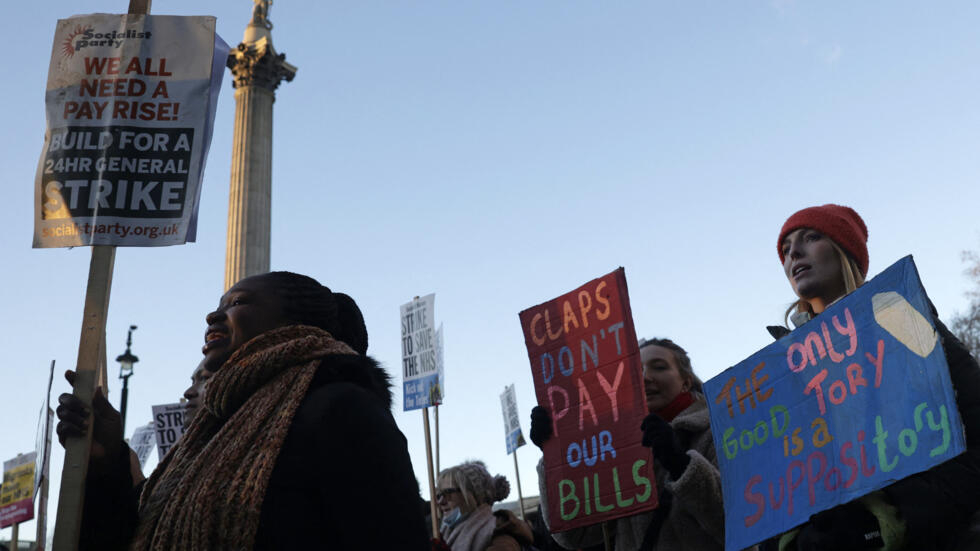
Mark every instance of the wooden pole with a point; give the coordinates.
(432, 480)
(13, 536)
(438, 470)
(71, 498)
(520, 495)
(607, 536)
(137, 7)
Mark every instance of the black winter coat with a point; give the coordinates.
(343, 479)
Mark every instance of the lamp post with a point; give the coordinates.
(126, 361)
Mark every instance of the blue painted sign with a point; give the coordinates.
(850, 402)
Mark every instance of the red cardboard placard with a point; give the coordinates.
(587, 372)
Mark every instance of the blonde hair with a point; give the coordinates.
(852, 280)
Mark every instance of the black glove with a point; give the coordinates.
(660, 436)
(540, 426)
(848, 526)
(107, 433)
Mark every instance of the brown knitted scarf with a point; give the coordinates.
(207, 492)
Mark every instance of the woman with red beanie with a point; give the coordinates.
(824, 254)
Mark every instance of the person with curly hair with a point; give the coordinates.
(465, 495)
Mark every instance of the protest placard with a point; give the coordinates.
(130, 107)
(512, 423)
(17, 494)
(143, 440)
(586, 367)
(420, 373)
(42, 442)
(168, 424)
(848, 403)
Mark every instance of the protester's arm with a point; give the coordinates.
(111, 501)
(697, 491)
(111, 507)
(693, 479)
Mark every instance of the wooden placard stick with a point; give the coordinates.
(437, 438)
(520, 495)
(432, 480)
(87, 370)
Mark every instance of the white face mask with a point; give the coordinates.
(451, 518)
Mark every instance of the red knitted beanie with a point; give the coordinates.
(842, 224)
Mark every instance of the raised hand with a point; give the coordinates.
(661, 438)
(74, 418)
(541, 430)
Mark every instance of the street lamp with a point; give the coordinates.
(126, 361)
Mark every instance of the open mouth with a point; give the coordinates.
(213, 339)
(800, 269)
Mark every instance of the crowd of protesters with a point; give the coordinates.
(292, 399)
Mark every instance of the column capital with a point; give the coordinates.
(258, 64)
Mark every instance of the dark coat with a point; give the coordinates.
(343, 478)
(936, 505)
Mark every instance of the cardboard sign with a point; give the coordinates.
(168, 423)
(130, 109)
(512, 423)
(42, 442)
(848, 403)
(143, 440)
(420, 372)
(586, 367)
(17, 495)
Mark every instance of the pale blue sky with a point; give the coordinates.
(501, 153)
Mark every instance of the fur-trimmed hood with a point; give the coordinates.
(363, 371)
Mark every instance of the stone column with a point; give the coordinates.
(257, 71)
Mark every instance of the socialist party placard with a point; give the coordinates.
(130, 104)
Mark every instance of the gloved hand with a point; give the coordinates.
(848, 526)
(540, 426)
(660, 436)
(74, 418)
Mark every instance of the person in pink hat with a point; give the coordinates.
(824, 253)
